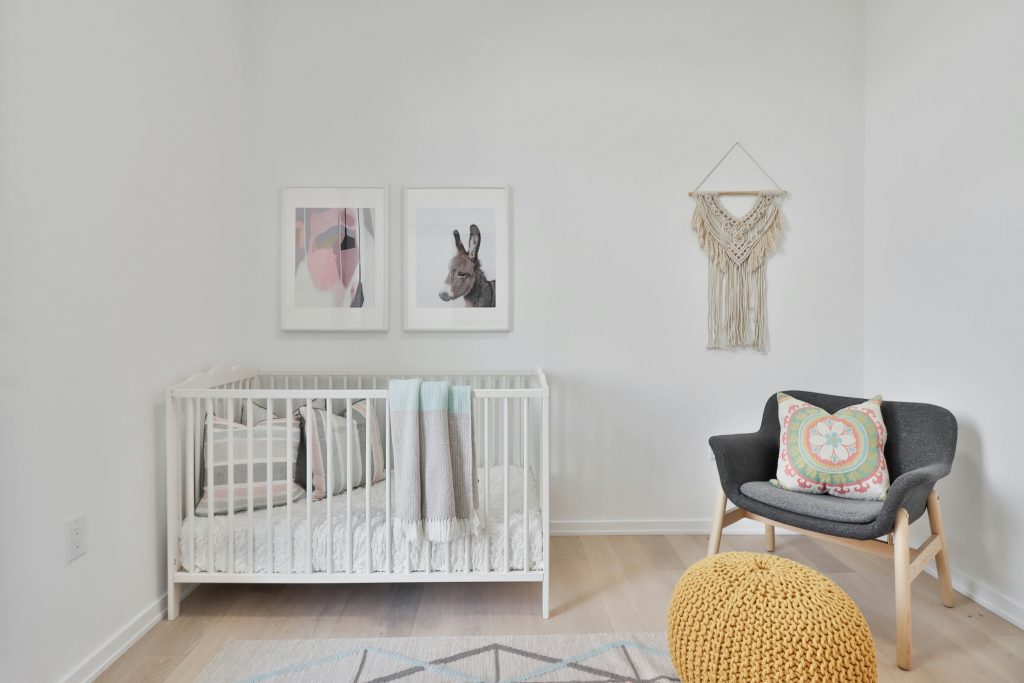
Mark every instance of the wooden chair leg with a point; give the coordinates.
(769, 537)
(715, 541)
(942, 557)
(901, 557)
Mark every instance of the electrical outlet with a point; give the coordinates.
(74, 539)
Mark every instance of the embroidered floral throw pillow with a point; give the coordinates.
(841, 455)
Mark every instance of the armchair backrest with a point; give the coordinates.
(919, 433)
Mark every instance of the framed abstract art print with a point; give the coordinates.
(334, 256)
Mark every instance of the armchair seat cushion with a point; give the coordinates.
(829, 508)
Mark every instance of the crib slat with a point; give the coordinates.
(252, 532)
(348, 485)
(309, 484)
(330, 484)
(368, 479)
(387, 483)
(269, 535)
(505, 439)
(545, 435)
(525, 416)
(406, 541)
(211, 560)
(474, 404)
(190, 477)
(290, 477)
(514, 446)
(231, 484)
(487, 482)
(447, 557)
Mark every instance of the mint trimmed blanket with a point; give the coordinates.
(435, 466)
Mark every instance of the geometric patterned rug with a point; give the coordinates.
(576, 658)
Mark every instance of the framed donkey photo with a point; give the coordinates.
(458, 256)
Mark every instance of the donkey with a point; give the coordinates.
(465, 276)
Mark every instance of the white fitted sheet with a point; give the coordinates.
(402, 552)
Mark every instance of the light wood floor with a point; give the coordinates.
(600, 584)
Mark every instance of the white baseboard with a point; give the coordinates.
(90, 668)
(987, 597)
(604, 527)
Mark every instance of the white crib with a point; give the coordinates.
(288, 543)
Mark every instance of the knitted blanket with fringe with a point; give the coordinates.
(737, 248)
(435, 466)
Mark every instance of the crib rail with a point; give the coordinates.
(219, 410)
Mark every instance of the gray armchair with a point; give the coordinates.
(919, 452)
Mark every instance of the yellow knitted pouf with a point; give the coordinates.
(739, 617)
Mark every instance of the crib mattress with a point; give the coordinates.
(404, 554)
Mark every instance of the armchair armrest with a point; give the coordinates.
(910, 490)
(921, 477)
(742, 458)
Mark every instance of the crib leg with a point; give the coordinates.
(545, 597)
(173, 600)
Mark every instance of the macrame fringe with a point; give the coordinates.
(737, 316)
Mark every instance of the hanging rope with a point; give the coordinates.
(749, 156)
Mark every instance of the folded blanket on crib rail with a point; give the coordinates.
(435, 467)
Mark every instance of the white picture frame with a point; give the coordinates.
(482, 218)
(329, 281)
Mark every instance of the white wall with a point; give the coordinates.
(600, 116)
(119, 211)
(943, 246)
(144, 148)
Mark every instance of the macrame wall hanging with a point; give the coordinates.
(737, 247)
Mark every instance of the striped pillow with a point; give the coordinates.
(323, 425)
(224, 488)
(259, 414)
(370, 429)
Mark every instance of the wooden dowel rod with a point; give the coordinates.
(733, 193)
